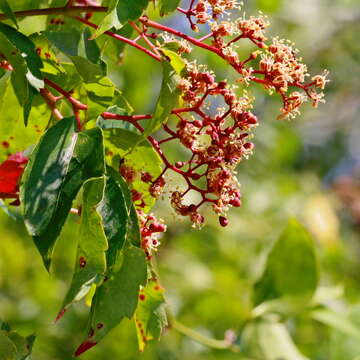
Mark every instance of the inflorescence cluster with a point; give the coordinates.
(215, 121)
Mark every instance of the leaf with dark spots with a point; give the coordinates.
(90, 263)
(117, 297)
(150, 316)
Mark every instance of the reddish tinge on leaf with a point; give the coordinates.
(10, 173)
(86, 345)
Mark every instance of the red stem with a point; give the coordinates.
(75, 104)
(121, 38)
(192, 40)
(66, 10)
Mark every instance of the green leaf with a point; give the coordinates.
(117, 297)
(130, 10)
(168, 6)
(112, 48)
(291, 269)
(169, 93)
(150, 317)
(97, 96)
(14, 346)
(110, 20)
(269, 340)
(90, 262)
(28, 51)
(28, 104)
(6, 9)
(133, 235)
(138, 154)
(18, 76)
(114, 213)
(45, 174)
(8, 349)
(12, 129)
(26, 77)
(57, 168)
(84, 53)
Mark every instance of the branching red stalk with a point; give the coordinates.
(51, 100)
(169, 30)
(76, 105)
(145, 38)
(121, 38)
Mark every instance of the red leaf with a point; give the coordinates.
(10, 173)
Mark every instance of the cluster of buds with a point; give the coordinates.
(278, 70)
(217, 140)
(208, 10)
(150, 229)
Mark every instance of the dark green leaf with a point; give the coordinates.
(90, 262)
(84, 53)
(45, 174)
(28, 51)
(114, 213)
(58, 166)
(18, 76)
(28, 104)
(291, 268)
(6, 9)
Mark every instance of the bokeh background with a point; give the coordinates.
(308, 168)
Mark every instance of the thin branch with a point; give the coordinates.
(201, 339)
(65, 10)
(121, 38)
(192, 40)
(51, 100)
(144, 37)
(75, 104)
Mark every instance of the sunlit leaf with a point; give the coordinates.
(150, 317)
(58, 166)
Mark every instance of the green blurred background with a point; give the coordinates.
(309, 168)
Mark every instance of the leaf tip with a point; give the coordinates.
(86, 345)
(60, 315)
